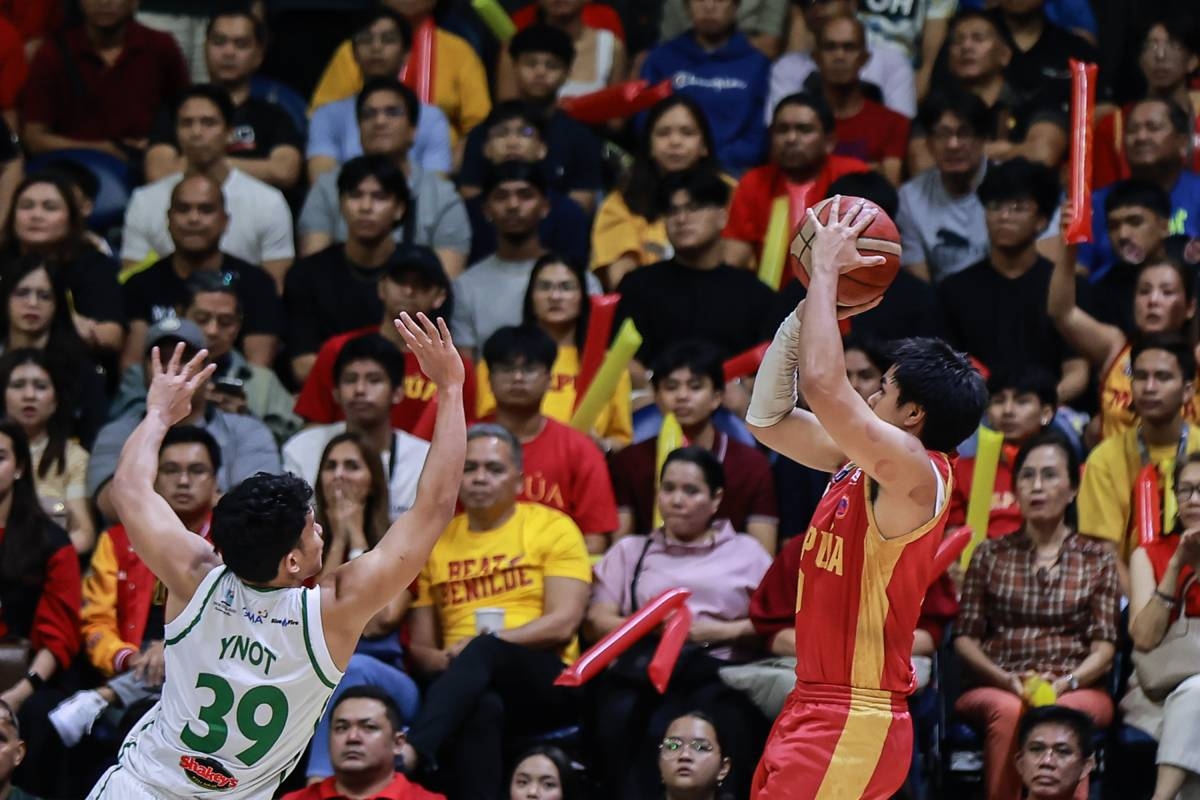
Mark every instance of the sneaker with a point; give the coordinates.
(73, 718)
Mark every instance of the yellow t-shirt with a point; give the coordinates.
(617, 231)
(460, 85)
(1105, 501)
(615, 420)
(1116, 397)
(501, 568)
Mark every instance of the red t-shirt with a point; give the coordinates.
(1005, 514)
(565, 470)
(413, 414)
(1108, 159)
(399, 789)
(13, 67)
(751, 207)
(749, 484)
(873, 134)
(55, 624)
(33, 18)
(594, 15)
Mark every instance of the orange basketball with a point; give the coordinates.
(881, 238)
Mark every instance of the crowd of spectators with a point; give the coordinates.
(275, 181)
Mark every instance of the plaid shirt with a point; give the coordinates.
(1040, 619)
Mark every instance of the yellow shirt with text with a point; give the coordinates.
(502, 568)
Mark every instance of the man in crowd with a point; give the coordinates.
(264, 142)
(388, 113)
(12, 753)
(689, 382)
(368, 379)
(563, 468)
(196, 222)
(1055, 752)
(801, 167)
(260, 222)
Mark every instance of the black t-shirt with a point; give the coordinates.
(1002, 321)
(670, 302)
(908, 308)
(91, 278)
(259, 126)
(1110, 299)
(573, 161)
(1044, 69)
(158, 292)
(326, 294)
(9, 148)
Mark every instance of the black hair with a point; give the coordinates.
(1027, 379)
(640, 189)
(705, 187)
(258, 522)
(1080, 723)
(58, 426)
(513, 342)
(696, 356)
(1019, 178)
(809, 100)
(64, 338)
(1140, 193)
(1181, 122)
(702, 457)
(79, 175)
(238, 8)
(944, 383)
(412, 105)
(1173, 343)
(210, 92)
(366, 691)
(877, 351)
(1180, 27)
(210, 282)
(28, 542)
(366, 19)
(391, 178)
(190, 434)
(585, 307)
(543, 38)
(523, 171)
(74, 242)
(1187, 277)
(870, 185)
(980, 14)
(966, 106)
(1049, 438)
(722, 743)
(371, 347)
(568, 781)
(517, 109)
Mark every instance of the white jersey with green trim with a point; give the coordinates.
(248, 677)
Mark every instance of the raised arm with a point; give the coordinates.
(359, 589)
(177, 556)
(1099, 343)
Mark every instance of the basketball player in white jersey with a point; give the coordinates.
(251, 655)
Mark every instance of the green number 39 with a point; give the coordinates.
(264, 735)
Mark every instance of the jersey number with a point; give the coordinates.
(264, 735)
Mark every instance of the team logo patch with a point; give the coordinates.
(207, 773)
(225, 604)
(842, 507)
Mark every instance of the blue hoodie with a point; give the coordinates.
(729, 83)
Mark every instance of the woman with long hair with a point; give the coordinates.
(556, 301)
(629, 231)
(45, 221)
(38, 396)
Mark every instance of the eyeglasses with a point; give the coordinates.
(1186, 491)
(1162, 47)
(387, 112)
(523, 131)
(1010, 206)
(670, 746)
(366, 39)
(512, 370)
(194, 471)
(1061, 752)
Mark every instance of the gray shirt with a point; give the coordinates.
(247, 447)
(441, 220)
(753, 17)
(490, 295)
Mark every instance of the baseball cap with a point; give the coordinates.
(182, 330)
(419, 259)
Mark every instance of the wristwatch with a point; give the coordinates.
(1072, 682)
(36, 681)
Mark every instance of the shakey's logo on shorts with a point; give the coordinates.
(207, 773)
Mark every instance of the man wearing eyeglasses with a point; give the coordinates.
(1055, 752)
(123, 602)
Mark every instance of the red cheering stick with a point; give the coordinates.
(616, 102)
(1148, 500)
(605, 651)
(746, 363)
(675, 634)
(1083, 102)
(419, 71)
(949, 551)
(595, 344)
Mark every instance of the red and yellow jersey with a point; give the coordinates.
(859, 594)
(1116, 397)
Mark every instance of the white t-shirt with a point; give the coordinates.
(260, 222)
(402, 464)
(903, 21)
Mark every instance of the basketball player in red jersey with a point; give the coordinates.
(845, 731)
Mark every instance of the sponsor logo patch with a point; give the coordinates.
(207, 773)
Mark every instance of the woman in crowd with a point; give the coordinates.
(721, 568)
(40, 596)
(351, 499)
(691, 760)
(544, 773)
(629, 231)
(1163, 585)
(557, 302)
(600, 58)
(45, 221)
(38, 398)
(35, 313)
(1039, 603)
